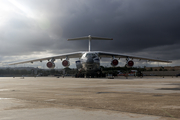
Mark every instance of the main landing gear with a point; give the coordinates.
(98, 74)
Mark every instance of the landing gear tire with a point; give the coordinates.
(87, 75)
(79, 75)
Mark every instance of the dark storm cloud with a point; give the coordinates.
(134, 25)
(139, 27)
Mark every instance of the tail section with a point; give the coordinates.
(90, 38)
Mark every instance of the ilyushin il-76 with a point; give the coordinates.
(88, 62)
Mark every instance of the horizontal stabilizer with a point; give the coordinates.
(91, 38)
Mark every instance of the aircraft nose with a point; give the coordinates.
(90, 61)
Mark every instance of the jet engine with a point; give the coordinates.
(50, 65)
(65, 63)
(130, 63)
(114, 62)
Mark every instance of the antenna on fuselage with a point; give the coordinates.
(90, 38)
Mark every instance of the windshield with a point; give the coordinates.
(91, 55)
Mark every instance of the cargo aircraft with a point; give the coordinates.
(89, 61)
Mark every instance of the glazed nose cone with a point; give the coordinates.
(90, 60)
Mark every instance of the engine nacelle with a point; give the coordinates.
(78, 64)
(130, 63)
(65, 63)
(50, 65)
(114, 62)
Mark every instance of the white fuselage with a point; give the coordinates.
(90, 62)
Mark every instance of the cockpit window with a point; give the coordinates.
(91, 55)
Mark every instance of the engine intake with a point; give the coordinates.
(50, 65)
(130, 63)
(114, 62)
(65, 63)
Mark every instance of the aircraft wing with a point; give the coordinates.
(116, 55)
(61, 56)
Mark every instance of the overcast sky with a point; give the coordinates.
(31, 29)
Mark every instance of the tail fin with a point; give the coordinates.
(90, 38)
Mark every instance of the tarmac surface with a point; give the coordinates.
(51, 98)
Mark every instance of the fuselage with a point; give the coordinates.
(89, 62)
